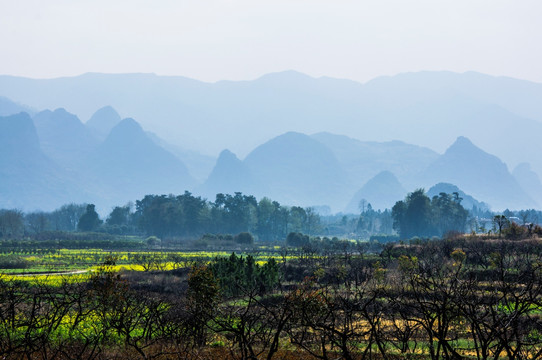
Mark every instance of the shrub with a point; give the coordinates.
(515, 232)
(244, 238)
(13, 262)
(297, 239)
(384, 238)
(153, 241)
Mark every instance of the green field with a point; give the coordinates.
(29, 264)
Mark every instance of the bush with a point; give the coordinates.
(384, 238)
(153, 241)
(244, 238)
(13, 262)
(297, 239)
(215, 240)
(515, 232)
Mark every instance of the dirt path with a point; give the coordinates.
(74, 272)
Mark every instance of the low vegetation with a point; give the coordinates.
(185, 293)
(461, 297)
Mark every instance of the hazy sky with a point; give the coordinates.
(217, 39)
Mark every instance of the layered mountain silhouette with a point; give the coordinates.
(54, 159)
(28, 178)
(229, 175)
(8, 107)
(362, 160)
(501, 115)
(128, 165)
(382, 192)
(199, 165)
(298, 169)
(102, 121)
(63, 137)
(111, 161)
(292, 168)
(480, 174)
(529, 181)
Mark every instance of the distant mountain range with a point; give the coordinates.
(478, 173)
(228, 176)
(102, 121)
(362, 160)
(529, 180)
(382, 192)
(63, 137)
(431, 109)
(128, 164)
(53, 158)
(28, 178)
(8, 107)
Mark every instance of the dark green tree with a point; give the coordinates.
(448, 213)
(120, 215)
(245, 238)
(159, 215)
(412, 217)
(67, 217)
(312, 225)
(272, 220)
(417, 215)
(240, 212)
(298, 219)
(500, 222)
(265, 224)
(90, 220)
(37, 222)
(202, 298)
(193, 211)
(11, 224)
(297, 239)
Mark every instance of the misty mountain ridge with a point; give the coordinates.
(130, 165)
(228, 176)
(478, 173)
(8, 107)
(102, 121)
(285, 168)
(63, 137)
(198, 165)
(122, 168)
(28, 178)
(18, 136)
(294, 168)
(491, 111)
(529, 180)
(297, 169)
(382, 192)
(362, 160)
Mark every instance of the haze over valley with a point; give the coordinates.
(285, 179)
(109, 139)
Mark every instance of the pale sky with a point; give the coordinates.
(214, 40)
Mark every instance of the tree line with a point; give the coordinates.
(190, 216)
(418, 215)
(183, 215)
